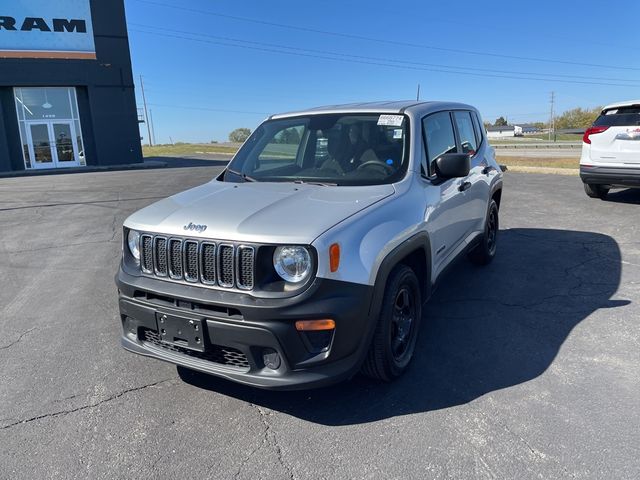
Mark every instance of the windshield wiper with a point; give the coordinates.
(311, 182)
(244, 176)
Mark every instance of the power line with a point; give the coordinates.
(372, 39)
(382, 59)
(355, 59)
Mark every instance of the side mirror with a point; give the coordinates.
(452, 165)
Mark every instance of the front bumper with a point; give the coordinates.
(615, 176)
(240, 329)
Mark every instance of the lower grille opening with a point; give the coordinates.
(229, 356)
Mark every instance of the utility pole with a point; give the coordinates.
(552, 122)
(153, 128)
(146, 115)
(418, 94)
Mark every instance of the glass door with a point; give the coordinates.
(65, 149)
(53, 144)
(40, 145)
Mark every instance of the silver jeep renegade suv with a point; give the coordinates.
(310, 257)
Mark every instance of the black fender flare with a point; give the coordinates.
(497, 185)
(418, 241)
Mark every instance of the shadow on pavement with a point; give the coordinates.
(186, 162)
(628, 195)
(485, 329)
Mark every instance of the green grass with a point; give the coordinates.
(560, 137)
(535, 138)
(179, 149)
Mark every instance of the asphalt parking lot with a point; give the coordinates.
(528, 368)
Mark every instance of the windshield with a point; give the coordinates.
(332, 149)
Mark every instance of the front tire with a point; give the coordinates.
(596, 191)
(484, 252)
(394, 340)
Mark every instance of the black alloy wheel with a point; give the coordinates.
(402, 322)
(394, 339)
(483, 253)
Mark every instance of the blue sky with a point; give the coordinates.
(212, 66)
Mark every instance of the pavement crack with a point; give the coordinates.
(17, 339)
(114, 228)
(58, 247)
(93, 203)
(83, 407)
(269, 438)
(534, 451)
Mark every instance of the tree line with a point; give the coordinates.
(574, 118)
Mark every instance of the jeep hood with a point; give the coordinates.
(257, 211)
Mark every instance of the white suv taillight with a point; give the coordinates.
(592, 131)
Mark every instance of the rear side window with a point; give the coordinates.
(476, 127)
(619, 117)
(438, 135)
(466, 132)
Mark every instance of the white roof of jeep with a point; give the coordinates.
(378, 107)
(628, 103)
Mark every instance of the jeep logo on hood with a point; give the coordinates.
(195, 228)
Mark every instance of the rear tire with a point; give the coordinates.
(596, 191)
(484, 252)
(394, 340)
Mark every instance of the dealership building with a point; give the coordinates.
(66, 87)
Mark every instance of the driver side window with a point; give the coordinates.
(438, 137)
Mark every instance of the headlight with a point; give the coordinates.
(133, 239)
(293, 264)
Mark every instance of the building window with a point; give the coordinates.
(50, 130)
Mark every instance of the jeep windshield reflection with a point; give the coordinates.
(330, 149)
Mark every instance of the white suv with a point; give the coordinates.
(310, 257)
(611, 150)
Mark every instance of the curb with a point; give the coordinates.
(93, 169)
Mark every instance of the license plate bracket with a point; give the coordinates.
(181, 331)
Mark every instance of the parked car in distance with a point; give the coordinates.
(611, 150)
(309, 258)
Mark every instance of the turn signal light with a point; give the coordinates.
(334, 257)
(592, 131)
(315, 325)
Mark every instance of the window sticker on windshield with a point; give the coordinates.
(390, 120)
(611, 112)
(397, 133)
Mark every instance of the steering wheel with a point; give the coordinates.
(376, 163)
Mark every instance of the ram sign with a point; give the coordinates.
(46, 29)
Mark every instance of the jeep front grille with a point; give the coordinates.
(146, 253)
(160, 255)
(224, 265)
(245, 268)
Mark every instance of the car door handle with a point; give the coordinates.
(464, 186)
